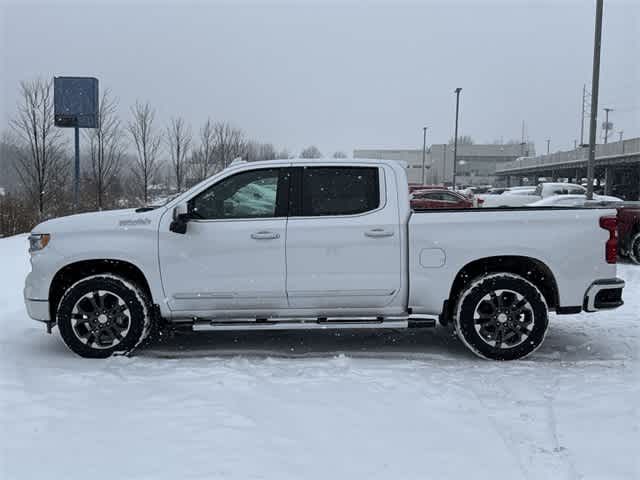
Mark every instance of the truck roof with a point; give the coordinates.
(320, 161)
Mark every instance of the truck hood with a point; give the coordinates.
(100, 221)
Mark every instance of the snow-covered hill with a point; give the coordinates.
(394, 405)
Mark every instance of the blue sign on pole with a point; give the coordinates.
(75, 102)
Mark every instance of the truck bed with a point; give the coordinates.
(568, 241)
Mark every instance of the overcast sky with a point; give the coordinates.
(340, 75)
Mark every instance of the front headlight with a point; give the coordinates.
(37, 241)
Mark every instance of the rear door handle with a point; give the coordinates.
(265, 235)
(378, 233)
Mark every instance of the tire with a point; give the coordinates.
(102, 315)
(634, 248)
(501, 316)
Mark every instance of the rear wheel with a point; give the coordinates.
(634, 248)
(501, 316)
(102, 315)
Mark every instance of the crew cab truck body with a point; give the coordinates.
(318, 244)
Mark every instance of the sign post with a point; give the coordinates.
(76, 105)
(76, 169)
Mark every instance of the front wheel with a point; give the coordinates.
(634, 249)
(103, 314)
(501, 316)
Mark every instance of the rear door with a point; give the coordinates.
(343, 238)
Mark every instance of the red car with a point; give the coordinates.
(629, 232)
(418, 186)
(439, 198)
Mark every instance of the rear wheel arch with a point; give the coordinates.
(531, 269)
(73, 272)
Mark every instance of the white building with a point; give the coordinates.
(476, 163)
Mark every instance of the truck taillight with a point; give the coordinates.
(610, 223)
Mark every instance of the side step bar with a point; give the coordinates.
(313, 324)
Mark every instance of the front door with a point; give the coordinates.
(232, 256)
(343, 239)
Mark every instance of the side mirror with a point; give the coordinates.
(180, 219)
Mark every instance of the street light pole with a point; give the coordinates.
(584, 95)
(455, 138)
(548, 145)
(424, 151)
(595, 82)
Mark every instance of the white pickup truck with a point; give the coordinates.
(318, 244)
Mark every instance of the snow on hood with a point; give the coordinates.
(104, 220)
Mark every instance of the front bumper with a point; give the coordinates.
(38, 309)
(604, 294)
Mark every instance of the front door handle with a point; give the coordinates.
(378, 233)
(265, 235)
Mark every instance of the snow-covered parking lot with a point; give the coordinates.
(396, 405)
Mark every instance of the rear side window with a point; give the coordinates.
(339, 190)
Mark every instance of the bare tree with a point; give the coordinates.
(339, 155)
(179, 142)
(255, 151)
(147, 142)
(106, 148)
(230, 143)
(9, 151)
(311, 152)
(41, 159)
(203, 158)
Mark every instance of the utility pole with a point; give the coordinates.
(595, 83)
(455, 138)
(522, 141)
(548, 145)
(606, 123)
(584, 107)
(424, 151)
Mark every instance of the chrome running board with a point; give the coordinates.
(300, 324)
(312, 324)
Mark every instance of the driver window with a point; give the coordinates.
(249, 194)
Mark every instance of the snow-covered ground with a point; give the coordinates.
(394, 405)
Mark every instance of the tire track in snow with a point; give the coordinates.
(552, 426)
(496, 428)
